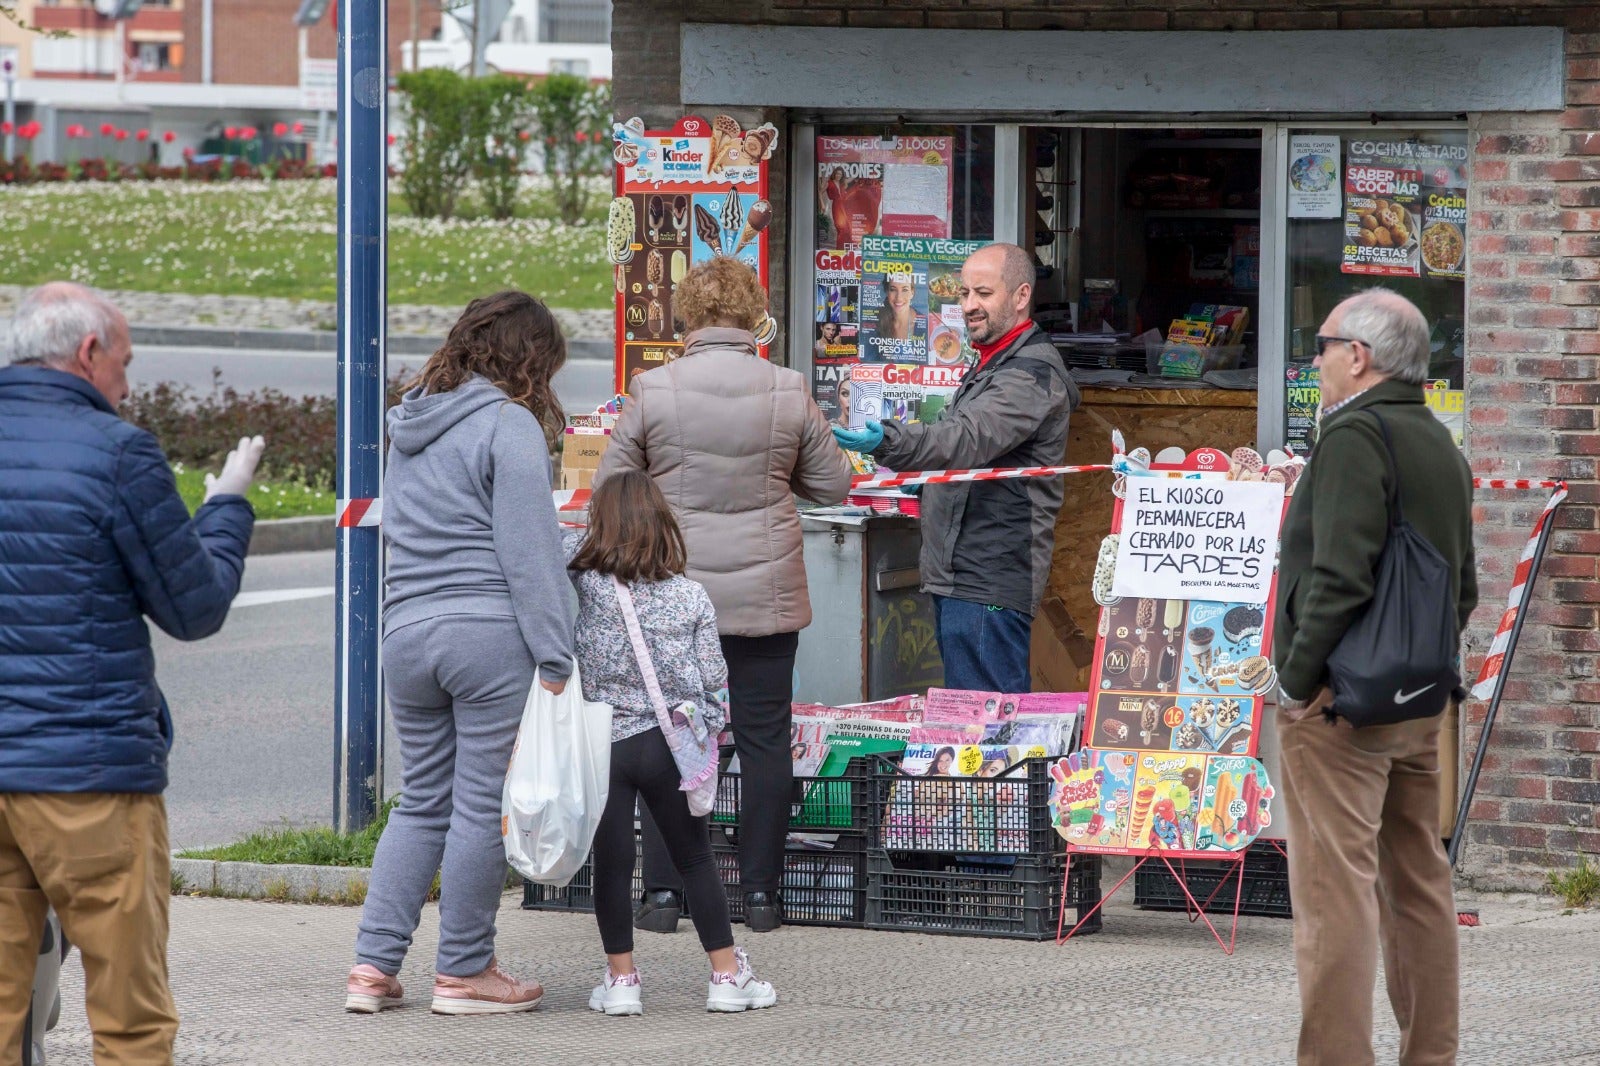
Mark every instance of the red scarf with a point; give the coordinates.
(987, 351)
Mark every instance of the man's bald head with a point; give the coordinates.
(996, 291)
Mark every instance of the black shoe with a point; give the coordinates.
(761, 911)
(658, 913)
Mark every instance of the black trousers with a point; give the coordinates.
(760, 691)
(642, 769)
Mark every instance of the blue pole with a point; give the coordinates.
(363, 211)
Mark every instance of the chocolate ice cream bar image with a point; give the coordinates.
(707, 228)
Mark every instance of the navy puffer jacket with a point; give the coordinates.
(93, 537)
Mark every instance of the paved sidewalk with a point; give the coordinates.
(263, 983)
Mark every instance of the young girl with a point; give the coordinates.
(633, 538)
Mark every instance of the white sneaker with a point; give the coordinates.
(731, 993)
(617, 995)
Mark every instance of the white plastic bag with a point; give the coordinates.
(556, 786)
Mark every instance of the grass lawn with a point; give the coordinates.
(318, 846)
(277, 239)
(270, 499)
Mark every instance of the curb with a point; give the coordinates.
(274, 536)
(300, 340)
(288, 882)
(254, 880)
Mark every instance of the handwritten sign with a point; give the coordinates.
(1198, 540)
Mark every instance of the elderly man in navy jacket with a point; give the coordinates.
(94, 538)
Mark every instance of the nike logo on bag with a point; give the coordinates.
(1401, 697)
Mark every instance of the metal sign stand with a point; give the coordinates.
(1458, 832)
(363, 210)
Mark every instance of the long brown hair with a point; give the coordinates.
(513, 340)
(632, 534)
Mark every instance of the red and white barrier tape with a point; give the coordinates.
(1516, 483)
(1494, 663)
(946, 477)
(361, 512)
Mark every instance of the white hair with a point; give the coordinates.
(51, 322)
(1395, 330)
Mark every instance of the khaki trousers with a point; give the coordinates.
(1366, 866)
(100, 859)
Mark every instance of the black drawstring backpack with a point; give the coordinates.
(1398, 661)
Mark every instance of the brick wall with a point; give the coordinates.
(1533, 381)
(256, 42)
(1533, 377)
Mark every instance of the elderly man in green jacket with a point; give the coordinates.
(1365, 856)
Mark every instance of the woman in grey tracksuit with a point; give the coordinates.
(477, 603)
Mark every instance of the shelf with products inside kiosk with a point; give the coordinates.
(1186, 583)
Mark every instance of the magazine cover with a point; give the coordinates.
(899, 186)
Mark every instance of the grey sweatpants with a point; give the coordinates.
(456, 686)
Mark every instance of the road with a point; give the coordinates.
(253, 707)
(581, 385)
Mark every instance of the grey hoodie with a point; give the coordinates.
(469, 522)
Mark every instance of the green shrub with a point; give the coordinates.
(574, 118)
(435, 156)
(497, 142)
(199, 430)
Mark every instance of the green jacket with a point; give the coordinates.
(1338, 522)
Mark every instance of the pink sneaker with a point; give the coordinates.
(491, 992)
(369, 990)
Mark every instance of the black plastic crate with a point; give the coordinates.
(820, 804)
(1215, 886)
(578, 895)
(819, 886)
(1017, 897)
(1004, 815)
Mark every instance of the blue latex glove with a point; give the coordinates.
(859, 440)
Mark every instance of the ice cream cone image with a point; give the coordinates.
(758, 218)
(725, 134)
(1142, 801)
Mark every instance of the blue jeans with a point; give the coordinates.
(984, 648)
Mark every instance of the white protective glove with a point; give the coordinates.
(238, 470)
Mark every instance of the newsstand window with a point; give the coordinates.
(923, 189)
(1376, 207)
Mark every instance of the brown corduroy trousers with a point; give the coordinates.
(1366, 866)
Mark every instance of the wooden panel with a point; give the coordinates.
(1149, 418)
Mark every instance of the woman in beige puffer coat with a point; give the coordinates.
(731, 439)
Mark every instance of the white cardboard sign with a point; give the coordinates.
(1198, 540)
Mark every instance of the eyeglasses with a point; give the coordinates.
(1323, 342)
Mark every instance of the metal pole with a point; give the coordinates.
(416, 31)
(11, 111)
(1458, 832)
(363, 210)
(478, 43)
(207, 30)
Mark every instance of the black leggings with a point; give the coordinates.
(642, 767)
(760, 688)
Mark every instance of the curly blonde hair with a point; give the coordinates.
(723, 291)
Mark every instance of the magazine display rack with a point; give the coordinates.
(1008, 814)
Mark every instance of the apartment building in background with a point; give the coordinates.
(198, 66)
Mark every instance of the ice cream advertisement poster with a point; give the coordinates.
(683, 196)
(1128, 802)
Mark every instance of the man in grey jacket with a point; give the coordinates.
(986, 545)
